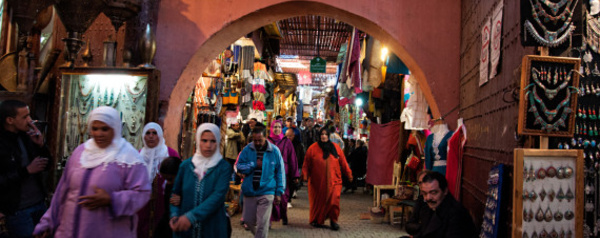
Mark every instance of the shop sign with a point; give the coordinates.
(318, 65)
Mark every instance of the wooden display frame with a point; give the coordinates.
(554, 158)
(570, 64)
(152, 77)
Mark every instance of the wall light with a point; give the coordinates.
(358, 102)
(384, 53)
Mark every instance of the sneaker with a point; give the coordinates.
(294, 195)
(289, 205)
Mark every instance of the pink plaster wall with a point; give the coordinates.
(424, 34)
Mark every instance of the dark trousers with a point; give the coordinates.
(22, 223)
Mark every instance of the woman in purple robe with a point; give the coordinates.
(103, 185)
(292, 174)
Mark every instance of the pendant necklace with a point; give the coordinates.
(550, 114)
(550, 93)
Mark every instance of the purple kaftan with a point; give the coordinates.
(291, 172)
(127, 185)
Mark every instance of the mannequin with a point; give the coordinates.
(436, 148)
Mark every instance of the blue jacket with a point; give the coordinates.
(272, 181)
(203, 203)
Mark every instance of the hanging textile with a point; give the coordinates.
(383, 151)
(456, 144)
(354, 68)
(373, 63)
(415, 115)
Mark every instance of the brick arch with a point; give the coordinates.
(432, 44)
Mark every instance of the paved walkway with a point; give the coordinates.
(352, 205)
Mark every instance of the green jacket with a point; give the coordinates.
(202, 202)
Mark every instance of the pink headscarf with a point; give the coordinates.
(274, 137)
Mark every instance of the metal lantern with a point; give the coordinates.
(77, 16)
(24, 12)
(120, 11)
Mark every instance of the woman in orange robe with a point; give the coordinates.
(323, 166)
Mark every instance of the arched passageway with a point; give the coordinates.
(424, 34)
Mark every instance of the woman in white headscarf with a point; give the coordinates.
(102, 187)
(202, 183)
(154, 152)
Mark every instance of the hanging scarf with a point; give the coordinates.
(327, 147)
(119, 150)
(201, 163)
(276, 138)
(154, 156)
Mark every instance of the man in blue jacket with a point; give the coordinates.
(262, 168)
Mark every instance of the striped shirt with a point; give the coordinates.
(258, 171)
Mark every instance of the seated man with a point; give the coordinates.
(443, 216)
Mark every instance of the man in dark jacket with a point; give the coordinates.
(23, 159)
(442, 216)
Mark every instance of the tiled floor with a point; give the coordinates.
(352, 205)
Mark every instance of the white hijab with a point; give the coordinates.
(119, 150)
(154, 156)
(201, 163)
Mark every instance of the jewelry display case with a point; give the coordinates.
(131, 91)
(548, 95)
(547, 193)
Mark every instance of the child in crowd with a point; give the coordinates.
(168, 170)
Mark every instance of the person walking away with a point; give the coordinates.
(323, 166)
(358, 163)
(261, 165)
(300, 152)
(201, 185)
(23, 162)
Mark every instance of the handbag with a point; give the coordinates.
(413, 161)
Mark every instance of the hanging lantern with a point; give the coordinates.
(77, 16)
(25, 11)
(120, 11)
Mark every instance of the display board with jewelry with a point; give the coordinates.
(550, 23)
(84, 90)
(491, 214)
(549, 87)
(586, 136)
(548, 193)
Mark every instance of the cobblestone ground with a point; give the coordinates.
(352, 205)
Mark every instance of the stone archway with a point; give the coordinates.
(426, 36)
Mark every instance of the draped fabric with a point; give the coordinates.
(384, 151)
(456, 144)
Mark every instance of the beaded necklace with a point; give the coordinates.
(546, 126)
(551, 38)
(550, 114)
(548, 17)
(550, 93)
(554, 6)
